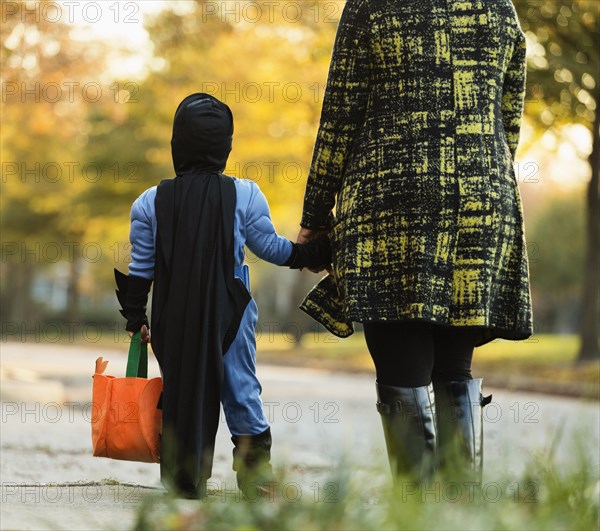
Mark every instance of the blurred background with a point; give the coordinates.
(88, 96)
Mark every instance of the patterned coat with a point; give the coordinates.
(416, 145)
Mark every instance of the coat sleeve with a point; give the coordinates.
(344, 105)
(142, 240)
(513, 93)
(261, 237)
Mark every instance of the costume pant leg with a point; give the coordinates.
(240, 392)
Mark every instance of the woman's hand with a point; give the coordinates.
(145, 334)
(306, 235)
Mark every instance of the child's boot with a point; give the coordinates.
(252, 462)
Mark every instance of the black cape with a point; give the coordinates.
(197, 302)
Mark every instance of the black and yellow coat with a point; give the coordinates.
(416, 145)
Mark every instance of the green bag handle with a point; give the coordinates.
(137, 360)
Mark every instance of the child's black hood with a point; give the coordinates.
(202, 134)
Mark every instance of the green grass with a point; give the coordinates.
(544, 497)
(543, 363)
(547, 348)
(539, 349)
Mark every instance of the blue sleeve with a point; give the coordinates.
(261, 237)
(141, 237)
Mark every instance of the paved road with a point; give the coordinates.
(317, 419)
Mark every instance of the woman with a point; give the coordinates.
(416, 144)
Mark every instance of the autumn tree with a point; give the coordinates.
(564, 86)
(46, 79)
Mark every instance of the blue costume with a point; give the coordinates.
(188, 235)
(240, 393)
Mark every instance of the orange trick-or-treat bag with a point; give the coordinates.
(126, 419)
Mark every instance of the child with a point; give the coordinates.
(187, 236)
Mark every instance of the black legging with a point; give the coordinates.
(411, 353)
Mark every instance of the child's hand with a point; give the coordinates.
(145, 334)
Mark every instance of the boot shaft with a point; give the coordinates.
(460, 427)
(409, 426)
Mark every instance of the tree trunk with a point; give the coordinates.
(590, 307)
(73, 290)
(17, 307)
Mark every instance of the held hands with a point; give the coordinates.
(145, 334)
(306, 235)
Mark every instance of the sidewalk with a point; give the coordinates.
(317, 417)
